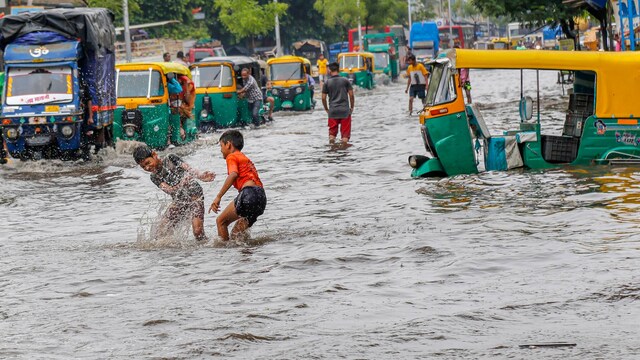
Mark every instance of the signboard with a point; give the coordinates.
(567, 44)
(15, 10)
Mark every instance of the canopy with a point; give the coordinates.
(166, 67)
(312, 42)
(287, 59)
(617, 73)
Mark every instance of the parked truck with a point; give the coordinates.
(424, 40)
(59, 86)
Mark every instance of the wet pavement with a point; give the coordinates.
(352, 258)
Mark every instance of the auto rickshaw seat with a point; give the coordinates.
(476, 120)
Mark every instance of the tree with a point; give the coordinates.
(246, 18)
(342, 13)
(535, 12)
(116, 7)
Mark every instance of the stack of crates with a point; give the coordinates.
(560, 149)
(580, 108)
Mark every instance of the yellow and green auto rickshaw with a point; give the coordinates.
(145, 111)
(358, 68)
(602, 123)
(289, 84)
(217, 79)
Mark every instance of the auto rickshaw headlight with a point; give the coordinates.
(67, 131)
(11, 133)
(274, 92)
(130, 131)
(299, 90)
(204, 114)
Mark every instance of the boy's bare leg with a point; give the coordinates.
(198, 229)
(410, 104)
(332, 139)
(225, 219)
(240, 228)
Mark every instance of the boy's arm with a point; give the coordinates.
(205, 176)
(215, 205)
(408, 84)
(324, 102)
(352, 101)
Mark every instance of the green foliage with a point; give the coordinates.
(342, 13)
(245, 18)
(528, 11)
(116, 7)
(385, 12)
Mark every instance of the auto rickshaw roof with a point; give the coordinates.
(617, 73)
(235, 60)
(355, 53)
(166, 67)
(288, 59)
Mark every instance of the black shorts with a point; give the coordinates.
(418, 91)
(250, 203)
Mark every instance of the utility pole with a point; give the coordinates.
(409, 9)
(127, 33)
(450, 27)
(278, 46)
(359, 28)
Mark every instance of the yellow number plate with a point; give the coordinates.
(52, 108)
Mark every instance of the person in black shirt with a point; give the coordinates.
(178, 179)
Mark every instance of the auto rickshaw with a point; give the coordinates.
(217, 79)
(290, 87)
(601, 126)
(501, 44)
(384, 47)
(358, 68)
(146, 111)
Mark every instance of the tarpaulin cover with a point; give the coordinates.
(93, 26)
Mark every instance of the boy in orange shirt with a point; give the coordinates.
(251, 200)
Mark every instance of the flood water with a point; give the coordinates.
(352, 259)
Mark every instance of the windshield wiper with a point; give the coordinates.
(59, 101)
(213, 82)
(294, 72)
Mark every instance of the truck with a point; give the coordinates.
(424, 40)
(59, 87)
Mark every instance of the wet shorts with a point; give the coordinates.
(417, 91)
(345, 127)
(250, 203)
(179, 211)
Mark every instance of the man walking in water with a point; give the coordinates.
(341, 103)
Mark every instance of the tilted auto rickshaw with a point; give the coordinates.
(601, 125)
(290, 87)
(146, 112)
(217, 79)
(358, 68)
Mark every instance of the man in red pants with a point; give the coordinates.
(341, 102)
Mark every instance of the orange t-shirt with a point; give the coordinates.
(239, 163)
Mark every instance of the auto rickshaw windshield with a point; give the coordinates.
(133, 84)
(381, 60)
(212, 76)
(287, 71)
(441, 87)
(349, 62)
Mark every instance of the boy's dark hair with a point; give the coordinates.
(234, 137)
(412, 57)
(180, 55)
(141, 152)
(334, 67)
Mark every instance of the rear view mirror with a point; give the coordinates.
(526, 108)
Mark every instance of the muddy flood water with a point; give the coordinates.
(353, 259)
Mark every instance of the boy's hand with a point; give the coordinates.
(208, 176)
(215, 206)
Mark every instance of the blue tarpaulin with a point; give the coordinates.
(549, 33)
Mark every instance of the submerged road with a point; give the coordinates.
(352, 258)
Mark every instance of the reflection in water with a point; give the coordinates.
(352, 258)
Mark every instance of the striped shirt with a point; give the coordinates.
(252, 90)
